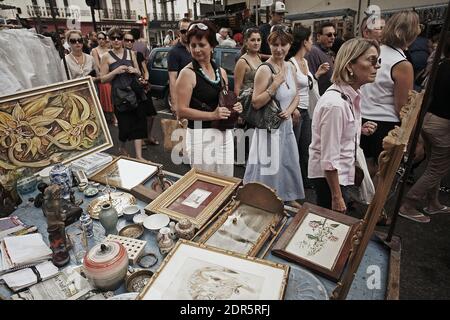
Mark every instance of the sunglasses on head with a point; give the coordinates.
(113, 38)
(183, 31)
(330, 34)
(199, 25)
(128, 40)
(279, 27)
(73, 41)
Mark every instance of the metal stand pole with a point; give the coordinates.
(58, 40)
(93, 18)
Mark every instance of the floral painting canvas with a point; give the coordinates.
(318, 239)
(56, 123)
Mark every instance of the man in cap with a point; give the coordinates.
(277, 11)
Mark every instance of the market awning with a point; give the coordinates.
(321, 14)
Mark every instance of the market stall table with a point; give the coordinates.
(370, 282)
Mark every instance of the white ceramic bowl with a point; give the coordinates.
(139, 218)
(156, 222)
(130, 211)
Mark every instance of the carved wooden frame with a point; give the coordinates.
(281, 286)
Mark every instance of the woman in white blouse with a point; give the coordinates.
(79, 64)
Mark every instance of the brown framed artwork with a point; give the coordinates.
(126, 173)
(246, 223)
(194, 271)
(319, 239)
(56, 123)
(196, 196)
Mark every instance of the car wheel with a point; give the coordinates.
(167, 100)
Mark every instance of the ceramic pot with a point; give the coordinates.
(62, 175)
(185, 229)
(165, 243)
(108, 218)
(106, 264)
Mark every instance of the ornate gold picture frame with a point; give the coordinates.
(247, 222)
(56, 123)
(126, 173)
(319, 239)
(194, 271)
(196, 196)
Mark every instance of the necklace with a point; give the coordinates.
(205, 76)
(80, 64)
(285, 78)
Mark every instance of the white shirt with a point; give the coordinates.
(303, 84)
(335, 125)
(377, 98)
(78, 70)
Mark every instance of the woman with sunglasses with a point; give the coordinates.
(79, 64)
(104, 89)
(128, 43)
(118, 68)
(273, 157)
(301, 45)
(198, 88)
(336, 123)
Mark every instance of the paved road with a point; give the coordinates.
(425, 257)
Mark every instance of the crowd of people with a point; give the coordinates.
(335, 96)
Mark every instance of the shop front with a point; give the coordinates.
(159, 29)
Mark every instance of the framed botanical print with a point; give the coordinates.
(246, 222)
(196, 196)
(319, 239)
(126, 173)
(197, 272)
(56, 123)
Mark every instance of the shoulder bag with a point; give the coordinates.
(267, 117)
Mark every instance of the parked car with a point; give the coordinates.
(226, 57)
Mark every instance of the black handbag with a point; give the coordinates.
(126, 99)
(266, 117)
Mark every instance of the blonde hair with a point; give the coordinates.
(70, 32)
(401, 29)
(349, 52)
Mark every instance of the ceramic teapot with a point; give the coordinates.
(105, 265)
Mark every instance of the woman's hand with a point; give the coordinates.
(238, 107)
(338, 204)
(133, 70)
(368, 128)
(285, 114)
(323, 68)
(279, 78)
(121, 69)
(221, 113)
(295, 117)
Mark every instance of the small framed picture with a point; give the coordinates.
(319, 239)
(247, 222)
(196, 196)
(194, 271)
(126, 173)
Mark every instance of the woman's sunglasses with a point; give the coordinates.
(114, 38)
(199, 25)
(73, 41)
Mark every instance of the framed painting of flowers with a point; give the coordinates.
(56, 123)
(319, 239)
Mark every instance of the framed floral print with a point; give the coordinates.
(197, 272)
(196, 196)
(56, 123)
(126, 173)
(319, 239)
(247, 222)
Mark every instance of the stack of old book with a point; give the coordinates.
(22, 251)
(92, 163)
(11, 225)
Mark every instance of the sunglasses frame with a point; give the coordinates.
(329, 34)
(74, 41)
(114, 38)
(128, 40)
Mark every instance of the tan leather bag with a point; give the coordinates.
(168, 127)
